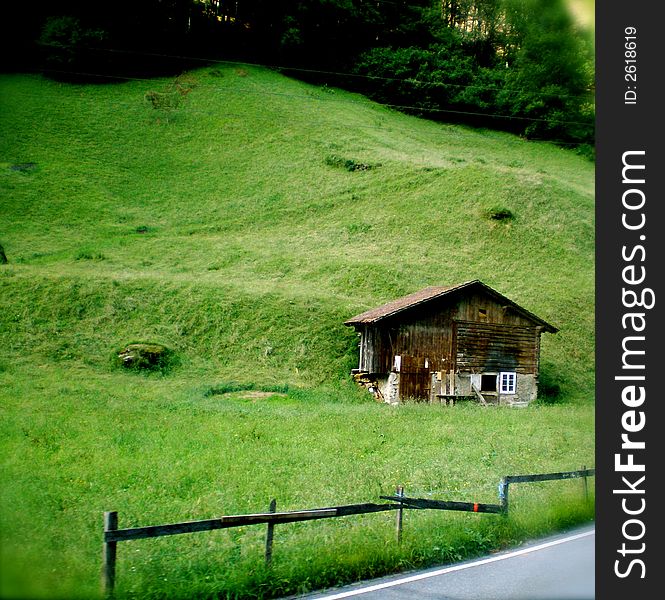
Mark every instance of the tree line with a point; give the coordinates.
(519, 65)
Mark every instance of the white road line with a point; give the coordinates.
(478, 563)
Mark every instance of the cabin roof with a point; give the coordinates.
(431, 293)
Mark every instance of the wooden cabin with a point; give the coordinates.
(442, 344)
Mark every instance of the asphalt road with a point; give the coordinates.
(559, 567)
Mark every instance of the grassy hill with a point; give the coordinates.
(240, 229)
(235, 232)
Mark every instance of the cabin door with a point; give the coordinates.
(414, 378)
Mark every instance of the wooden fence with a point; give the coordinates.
(583, 473)
(113, 534)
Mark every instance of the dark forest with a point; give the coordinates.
(519, 65)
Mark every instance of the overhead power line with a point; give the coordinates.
(400, 107)
(410, 80)
(243, 117)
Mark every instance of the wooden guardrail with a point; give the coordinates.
(508, 479)
(427, 504)
(113, 534)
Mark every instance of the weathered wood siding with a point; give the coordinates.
(490, 336)
(369, 349)
(471, 304)
(414, 379)
(425, 333)
(491, 347)
(376, 355)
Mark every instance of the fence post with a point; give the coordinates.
(503, 495)
(586, 485)
(400, 512)
(270, 533)
(109, 555)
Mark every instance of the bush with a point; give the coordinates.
(145, 356)
(172, 97)
(348, 163)
(500, 213)
(440, 82)
(66, 44)
(537, 82)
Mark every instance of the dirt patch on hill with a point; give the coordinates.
(256, 395)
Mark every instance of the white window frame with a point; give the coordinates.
(507, 382)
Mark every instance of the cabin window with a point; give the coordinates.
(507, 383)
(482, 313)
(488, 382)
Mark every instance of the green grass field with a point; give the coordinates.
(241, 229)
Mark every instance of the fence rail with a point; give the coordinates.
(427, 504)
(508, 479)
(399, 502)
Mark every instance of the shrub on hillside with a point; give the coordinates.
(172, 97)
(66, 45)
(348, 164)
(145, 356)
(500, 213)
